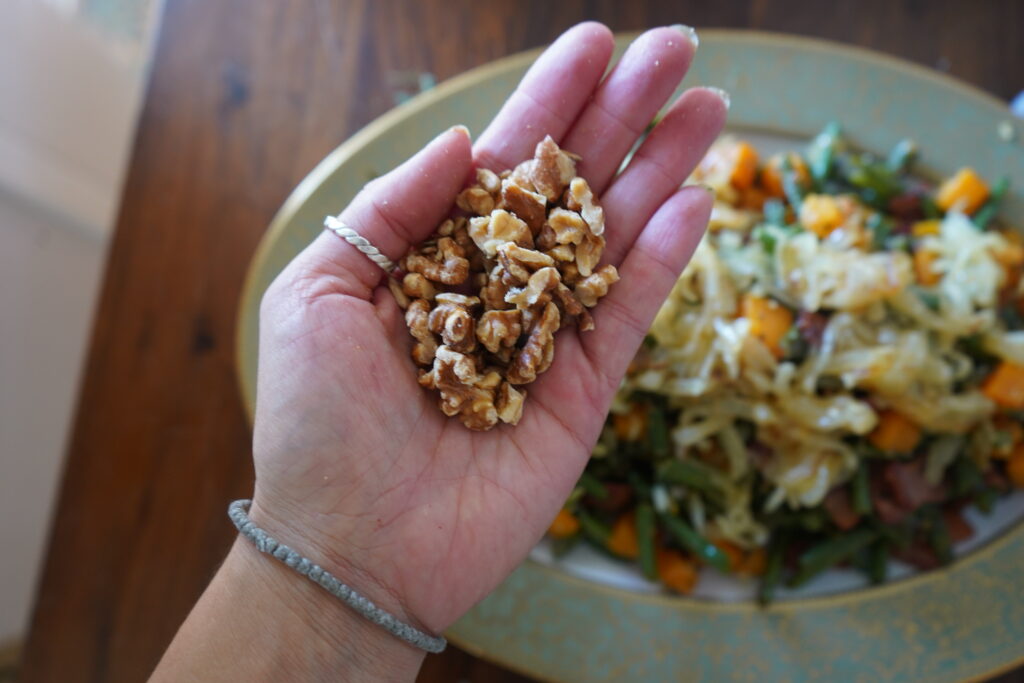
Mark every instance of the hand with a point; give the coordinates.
(355, 464)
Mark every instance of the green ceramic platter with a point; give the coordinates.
(962, 623)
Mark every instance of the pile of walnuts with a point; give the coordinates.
(485, 295)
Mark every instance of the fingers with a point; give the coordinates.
(626, 102)
(549, 98)
(663, 162)
(392, 212)
(647, 275)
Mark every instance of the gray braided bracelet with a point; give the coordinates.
(266, 544)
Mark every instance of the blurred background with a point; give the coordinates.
(72, 73)
(246, 96)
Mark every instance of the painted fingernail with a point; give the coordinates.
(723, 95)
(690, 33)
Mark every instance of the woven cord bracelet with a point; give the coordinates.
(238, 510)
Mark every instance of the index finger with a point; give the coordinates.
(549, 98)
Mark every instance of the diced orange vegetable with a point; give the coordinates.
(565, 525)
(820, 214)
(1015, 467)
(631, 426)
(771, 174)
(964, 190)
(1010, 256)
(923, 228)
(769, 321)
(676, 572)
(755, 563)
(623, 541)
(752, 198)
(1005, 386)
(924, 268)
(895, 433)
(744, 168)
(730, 550)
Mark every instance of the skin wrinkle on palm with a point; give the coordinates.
(471, 505)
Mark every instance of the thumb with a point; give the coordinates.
(392, 212)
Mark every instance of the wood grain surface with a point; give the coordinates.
(245, 97)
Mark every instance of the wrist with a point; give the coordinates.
(323, 634)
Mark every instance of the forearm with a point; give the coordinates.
(259, 620)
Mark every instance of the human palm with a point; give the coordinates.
(355, 464)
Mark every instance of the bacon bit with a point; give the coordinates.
(959, 529)
(909, 487)
(840, 508)
(906, 206)
(619, 496)
(812, 327)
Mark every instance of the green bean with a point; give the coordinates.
(694, 475)
(861, 491)
(878, 561)
(592, 486)
(989, 210)
(593, 529)
(830, 553)
(703, 549)
(903, 154)
(657, 433)
(881, 230)
(966, 477)
(938, 538)
(645, 539)
(640, 486)
(930, 208)
(561, 546)
(773, 568)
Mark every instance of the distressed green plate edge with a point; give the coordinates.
(962, 623)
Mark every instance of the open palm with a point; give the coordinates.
(355, 464)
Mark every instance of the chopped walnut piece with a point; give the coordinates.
(551, 169)
(509, 403)
(588, 253)
(528, 206)
(528, 245)
(579, 198)
(595, 286)
(396, 290)
(498, 329)
(534, 355)
(500, 227)
(446, 263)
(417, 286)
(488, 180)
(475, 200)
(540, 283)
(519, 263)
(416, 318)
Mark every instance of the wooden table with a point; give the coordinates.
(245, 97)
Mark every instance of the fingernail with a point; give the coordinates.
(462, 129)
(723, 95)
(690, 33)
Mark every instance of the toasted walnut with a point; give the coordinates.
(498, 329)
(579, 198)
(539, 284)
(551, 170)
(446, 263)
(568, 226)
(446, 228)
(520, 263)
(488, 180)
(546, 238)
(528, 206)
(563, 253)
(417, 319)
(396, 291)
(500, 227)
(509, 403)
(475, 200)
(570, 274)
(588, 253)
(596, 285)
(533, 356)
(493, 293)
(417, 286)
(453, 321)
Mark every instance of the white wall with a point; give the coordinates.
(48, 279)
(71, 81)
